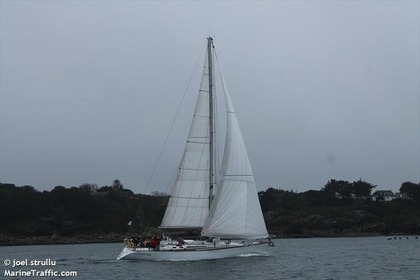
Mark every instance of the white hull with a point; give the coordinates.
(192, 255)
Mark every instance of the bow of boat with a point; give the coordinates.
(125, 252)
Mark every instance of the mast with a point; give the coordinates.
(211, 116)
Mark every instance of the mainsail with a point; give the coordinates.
(189, 197)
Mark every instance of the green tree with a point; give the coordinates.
(362, 189)
(338, 189)
(116, 185)
(89, 188)
(410, 190)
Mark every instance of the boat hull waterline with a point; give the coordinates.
(193, 254)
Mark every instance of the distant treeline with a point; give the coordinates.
(340, 208)
(83, 210)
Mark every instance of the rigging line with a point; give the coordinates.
(173, 121)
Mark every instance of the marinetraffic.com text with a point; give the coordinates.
(34, 268)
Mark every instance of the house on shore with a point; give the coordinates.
(383, 195)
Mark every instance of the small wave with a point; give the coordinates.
(249, 255)
(260, 254)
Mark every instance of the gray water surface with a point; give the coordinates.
(313, 258)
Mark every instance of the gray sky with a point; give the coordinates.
(322, 89)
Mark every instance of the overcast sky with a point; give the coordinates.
(322, 89)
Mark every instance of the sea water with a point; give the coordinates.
(312, 258)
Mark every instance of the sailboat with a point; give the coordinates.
(223, 203)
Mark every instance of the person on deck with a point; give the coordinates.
(154, 242)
